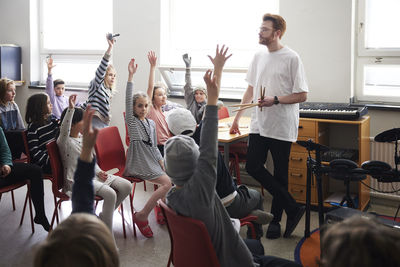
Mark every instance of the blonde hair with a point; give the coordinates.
(110, 67)
(4, 83)
(80, 240)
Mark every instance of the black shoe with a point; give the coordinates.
(274, 231)
(43, 222)
(292, 221)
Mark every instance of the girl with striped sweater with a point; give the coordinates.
(101, 90)
(42, 129)
(144, 160)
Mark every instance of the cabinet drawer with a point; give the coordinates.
(306, 128)
(298, 160)
(298, 192)
(298, 176)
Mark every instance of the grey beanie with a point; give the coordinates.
(181, 155)
(200, 88)
(181, 121)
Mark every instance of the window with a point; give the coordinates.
(196, 27)
(76, 53)
(378, 60)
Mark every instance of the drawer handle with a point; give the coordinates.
(300, 126)
(296, 159)
(297, 190)
(297, 174)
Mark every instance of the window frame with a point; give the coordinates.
(371, 56)
(67, 55)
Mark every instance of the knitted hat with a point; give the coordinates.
(181, 155)
(181, 121)
(200, 88)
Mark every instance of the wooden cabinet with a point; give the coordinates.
(334, 134)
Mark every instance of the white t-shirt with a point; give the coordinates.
(281, 72)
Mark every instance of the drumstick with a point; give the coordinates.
(241, 105)
(243, 108)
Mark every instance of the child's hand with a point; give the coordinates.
(187, 60)
(212, 87)
(102, 175)
(220, 58)
(132, 67)
(71, 101)
(152, 58)
(5, 170)
(50, 65)
(110, 43)
(89, 135)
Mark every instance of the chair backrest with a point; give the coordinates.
(190, 242)
(127, 139)
(57, 169)
(223, 113)
(110, 152)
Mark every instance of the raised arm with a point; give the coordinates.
(65, 128)
(207, 164)
(82, 190)
(189, 94)
(49, 81)
(101, 69)
(153, 62)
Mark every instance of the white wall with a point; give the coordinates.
(319, 30)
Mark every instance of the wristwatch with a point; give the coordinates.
(276, 100)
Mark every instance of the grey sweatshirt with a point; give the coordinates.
(195, 108)
(197, 199)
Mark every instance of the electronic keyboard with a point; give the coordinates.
(336, 111)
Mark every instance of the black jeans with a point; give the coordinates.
(277, 184)
(25, 171)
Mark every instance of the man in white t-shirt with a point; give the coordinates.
(274, 123)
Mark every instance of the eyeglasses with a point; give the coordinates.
(265, 29)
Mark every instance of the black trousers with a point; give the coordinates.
(26, 171)
(277, 184)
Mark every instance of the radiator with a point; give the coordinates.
(384, 152)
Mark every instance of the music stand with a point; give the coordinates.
(313, 167)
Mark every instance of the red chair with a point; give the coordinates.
(11, 188)
(57, 180)
(190, 242)
(110, 154)
(223, 113)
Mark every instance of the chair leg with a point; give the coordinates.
(30, 212)
(23, 210)
(123, 219)
(55, 214)
(131, 195)
(12, 199)
(144, 186)
(55, 206)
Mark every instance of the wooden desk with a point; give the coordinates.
(225, 139)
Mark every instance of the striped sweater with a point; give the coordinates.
(38, 137)
(99, 95)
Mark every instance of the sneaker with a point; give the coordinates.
(263, 217)
(274, 231)
(292, 221)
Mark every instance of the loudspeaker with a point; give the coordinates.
(10, 62)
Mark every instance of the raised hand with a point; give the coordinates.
(187, 60)
(89, 135)
(110, 44)
(152, 58)
(50, 65)
(72, 101)
(212, 87)
(132, 67)
(220, 57)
